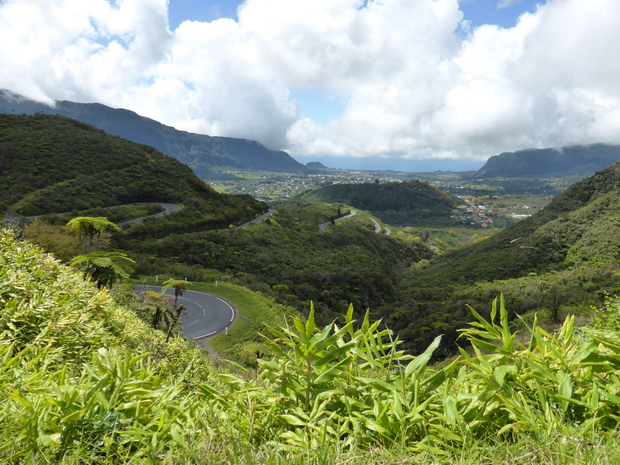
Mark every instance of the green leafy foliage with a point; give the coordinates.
(104, 268)
(353, 387)
(85, 391)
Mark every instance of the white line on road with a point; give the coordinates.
(204, 313)
(232, 310)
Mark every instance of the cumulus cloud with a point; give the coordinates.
(415, 78)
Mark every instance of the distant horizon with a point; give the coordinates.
(391, 164)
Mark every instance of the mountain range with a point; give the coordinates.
(576, 160)
(210, 157)
(206, 155)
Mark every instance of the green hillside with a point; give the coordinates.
(286, 257)
(579, 226)
(563, 259)
(206, 155)
(52, 164)
(84, 378)
(394, 202)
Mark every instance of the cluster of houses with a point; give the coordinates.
(482, 215)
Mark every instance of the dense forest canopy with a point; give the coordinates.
(52, 164)
(392, 202)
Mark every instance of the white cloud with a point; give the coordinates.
(506, 3)
(413, 84)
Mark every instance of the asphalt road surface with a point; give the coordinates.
(207, 314)
(322, 226)
(168, 208)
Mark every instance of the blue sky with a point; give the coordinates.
(503, 13)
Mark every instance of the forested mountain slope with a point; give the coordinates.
(200, 152)
(52, 164)
(584, 214)
(562, 259)
(393, 202)
(287, 257)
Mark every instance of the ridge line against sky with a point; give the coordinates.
(387, 83)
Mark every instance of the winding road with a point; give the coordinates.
(168, 208)
(322, 226)
(207, 314)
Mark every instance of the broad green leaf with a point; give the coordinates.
(336, 353)
(72, 417)
(421, 360)
(332, 373)
(500, 373)
(293, 420)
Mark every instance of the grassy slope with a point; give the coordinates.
(562, 259)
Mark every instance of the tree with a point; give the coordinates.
(179, 288)
(281, 289)
(105, 268)
(91, 227)
(165, 312)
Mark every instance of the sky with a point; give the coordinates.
(412, 85)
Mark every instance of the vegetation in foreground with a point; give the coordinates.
(84, 381)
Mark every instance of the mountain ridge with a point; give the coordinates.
(575, 160)
(203, 153)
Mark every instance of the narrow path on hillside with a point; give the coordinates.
(377, 227)
(258, 219)
(323, 226)
(168, 208)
